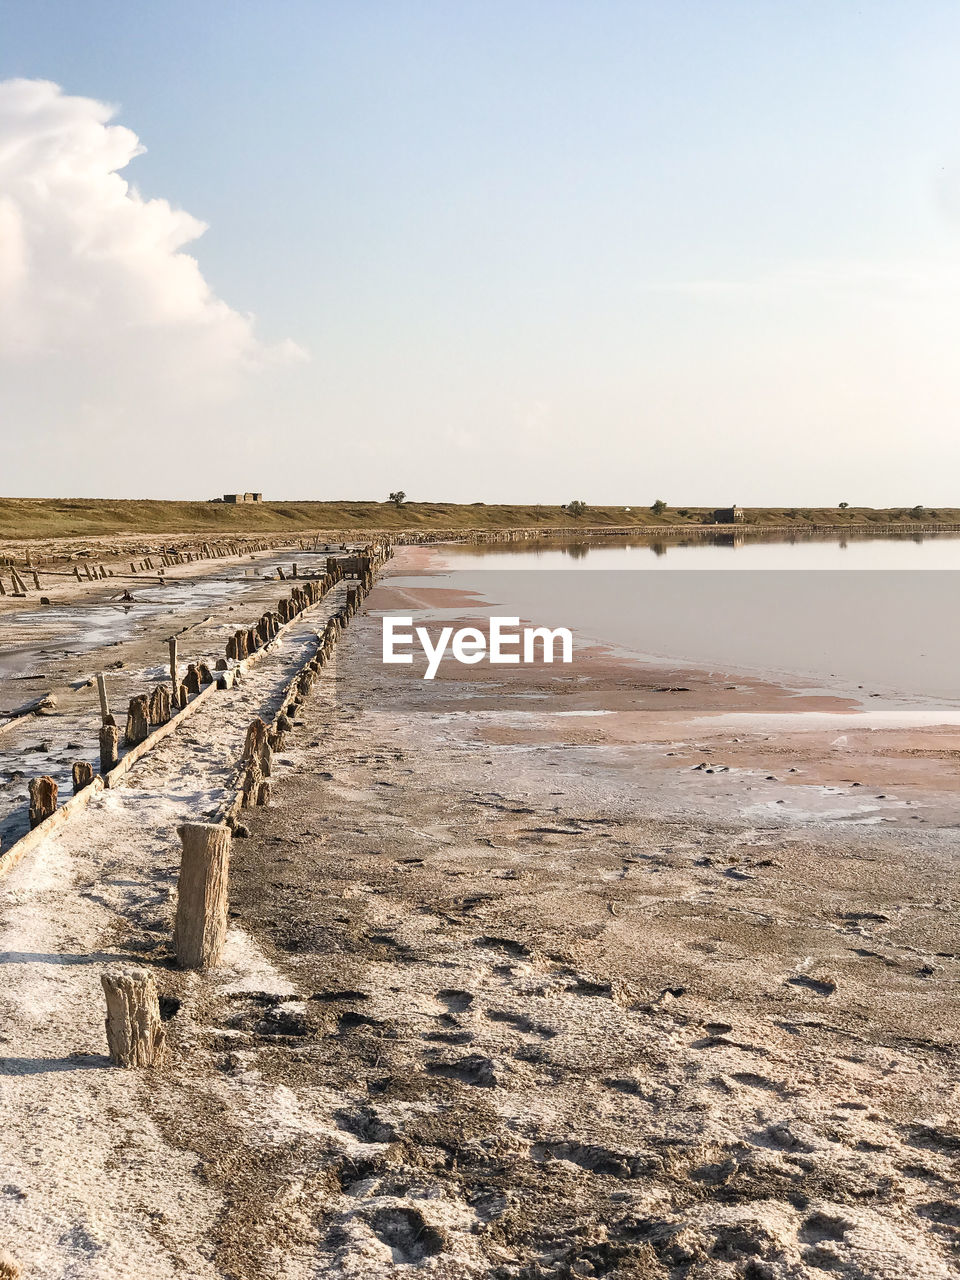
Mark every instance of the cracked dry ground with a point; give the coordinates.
(526, 1032)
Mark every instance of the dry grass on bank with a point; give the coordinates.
(78, 517)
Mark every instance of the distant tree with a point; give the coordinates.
(683, 513)
(659, 507)
(398, 498)
(575, 508)
(844, 505)
(916, 513)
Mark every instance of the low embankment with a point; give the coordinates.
(48, 518)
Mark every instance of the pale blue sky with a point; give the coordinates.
(706, 251)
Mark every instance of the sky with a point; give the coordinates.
(498, 250)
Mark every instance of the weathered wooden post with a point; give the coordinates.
(43, 799)
(258, 758)
(135, 1035)
(109, 747)
(159, 710)
(10, 1268)
(138, 720)
(82, 775)
(192, 679)
(104, 704)
(174, 681)
(200, 930)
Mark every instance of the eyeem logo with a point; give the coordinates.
(505, 644)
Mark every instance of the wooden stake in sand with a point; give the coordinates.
(43, 799)
(82, 775)
(257, 758)
(174, 682)
(201, 924)
(10, 1268)
(104, 704)
(134, 1031)
(138, 720)
(109, 747)
(160, 704)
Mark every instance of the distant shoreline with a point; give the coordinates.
(48, 518)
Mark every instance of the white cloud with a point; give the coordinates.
(105, 320)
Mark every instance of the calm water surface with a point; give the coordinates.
(863, 615)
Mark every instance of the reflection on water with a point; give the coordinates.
(711, 550)
(853, 614)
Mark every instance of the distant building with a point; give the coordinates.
(234, 498)
(728, 515)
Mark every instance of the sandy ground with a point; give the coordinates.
(511, 992)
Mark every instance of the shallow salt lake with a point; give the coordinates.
(867, 616)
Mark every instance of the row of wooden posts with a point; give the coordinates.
(152, 561)
(135, 1033)
(147, 712)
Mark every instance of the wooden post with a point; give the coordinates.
(138, 720)
(200, 930)
(159, 710)
(135, 1035)
(257, 757)
(10, 1268)
(174, 682)
(43, 799)
(82, 775)
(104, 704)
(109, 743)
